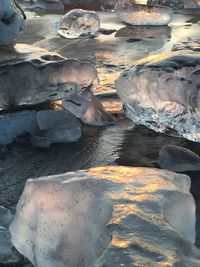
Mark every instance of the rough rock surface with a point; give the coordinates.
(78, 23)
(162, 92)
(143, 15)
(107, 216)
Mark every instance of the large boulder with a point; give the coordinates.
(107, 216)
(162, 92)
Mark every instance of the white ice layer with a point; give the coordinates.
(162, 92)
(136, 14)
(78, 23)
(107, 216)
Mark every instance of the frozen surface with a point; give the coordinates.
(45, 127)
(175, 4)
(178, 159)
(88, 109)
(55, 78)
(11, 22)
(135, 14)
(162, 93)
(56, 214)
(78, 23)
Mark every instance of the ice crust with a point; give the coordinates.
(78, 23)
(69, 219)
(11, 23)
(162, 93)
(136, 14)
(55, 78)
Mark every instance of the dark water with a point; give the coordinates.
(122, 144)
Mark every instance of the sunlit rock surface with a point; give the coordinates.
(143, 15)
(176, 4)
(42, 76)
(178, 159)
(137, 216)
(162, 92)
(78, 23)
(11, 22)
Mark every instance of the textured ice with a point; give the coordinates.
(45, 127)
(143, 15)
(175, 4)
(162, 92)
(178, 159)
(11, 22)
(78, 23)
(88, 109)
(107, 216)
(42, 76)
(5, 217)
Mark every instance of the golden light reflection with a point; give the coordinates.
(120, 243)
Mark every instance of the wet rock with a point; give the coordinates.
(145, 210)
(5, 217)
(162, 93)
(78, 23)
(11, 23)
(136, 14)
(178, 159)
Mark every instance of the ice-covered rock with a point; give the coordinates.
(42, 76)
(137, 14)
(78, 23)
(69, 219)
(178, 159)
(88, 109)
(8, 254)
(162, 92)
(5, 217)
(175, 4)
(11, 22)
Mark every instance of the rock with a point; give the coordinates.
(11, 23)
(136, 14)
(162, 93)
(88, 109)
(178, 159)
(68, 219)
(78, 23)
(55, 78)
(8, 254)
(5, 217)
(175, 4)
(41, 139)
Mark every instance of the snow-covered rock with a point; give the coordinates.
(11, 22)
(162, 92)
(78, 23)
(88, 109)
(107, 216)
(175, 4)
(178, 159)
(41, 77)
(137, 14)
